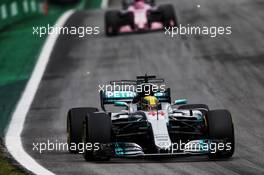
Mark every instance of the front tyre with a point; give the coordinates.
(220, 127)
(75, 119)
(97, 130)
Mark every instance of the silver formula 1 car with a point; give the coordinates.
(149, 124)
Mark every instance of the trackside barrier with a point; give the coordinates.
(14, 10)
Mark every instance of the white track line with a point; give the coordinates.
(104, 4)
(13, 140)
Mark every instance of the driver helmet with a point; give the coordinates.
(139, 4)
(150, 103)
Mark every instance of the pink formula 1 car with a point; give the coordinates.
(139, 15)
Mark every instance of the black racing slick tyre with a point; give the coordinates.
(75, 120)
(97, 131)
(168, 15)
(128, 19)
(202, 107)
(220, 127)
(112, 19)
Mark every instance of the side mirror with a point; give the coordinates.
(120, 103)
(180, 102)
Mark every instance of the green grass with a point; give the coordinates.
(91, 4)
(7, 168)
(19, 50)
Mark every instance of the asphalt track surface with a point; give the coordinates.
(223, 72)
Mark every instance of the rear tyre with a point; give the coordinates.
(97, 130)
(168, 15)
(126, 3)
(112, 19)
(129, 19)
(201, 107)
(75, 119)
(220, 127)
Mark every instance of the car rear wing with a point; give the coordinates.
(152, 79)
(110, 97)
